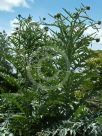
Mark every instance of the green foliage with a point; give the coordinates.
(53, 80)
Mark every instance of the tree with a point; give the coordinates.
(52, 79)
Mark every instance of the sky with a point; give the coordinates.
(9, 9)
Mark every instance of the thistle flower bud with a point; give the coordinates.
(99, 23)
(98, 40)
(19, 15)
(58, 15)
(82, 8)
(29, 18)
(44, 18)
(46, 28)
(17, 28)
(87, 7)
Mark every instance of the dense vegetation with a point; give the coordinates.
(50, 80)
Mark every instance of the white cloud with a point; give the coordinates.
(8, 5)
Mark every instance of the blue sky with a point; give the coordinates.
(9, 9)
